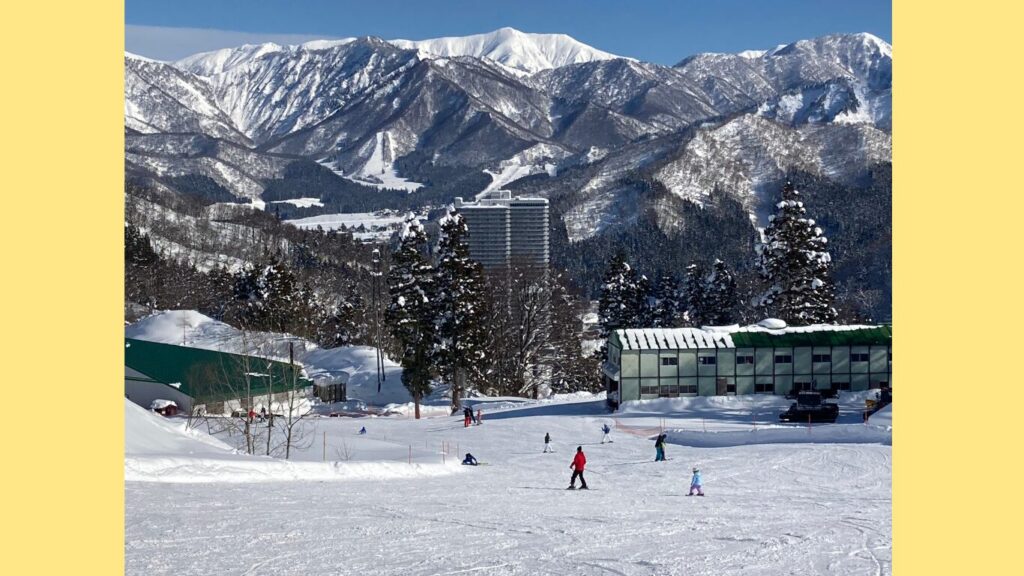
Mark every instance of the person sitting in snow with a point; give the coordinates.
(695, 483)
(362, 430)
(607, 430)
(469, 460)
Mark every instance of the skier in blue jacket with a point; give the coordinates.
(695, 483)
(607, 430)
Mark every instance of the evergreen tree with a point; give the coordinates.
(268, 296)
(667, 306)
(720, 297)
(695, 295)
(620, 305)
(460, 306)
(793, 262)
(410, 312)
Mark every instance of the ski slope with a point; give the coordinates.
(810, 507)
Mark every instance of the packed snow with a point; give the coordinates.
(815, 505)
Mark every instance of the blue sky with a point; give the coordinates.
(661, 31)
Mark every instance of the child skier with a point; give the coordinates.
(547, 443)
(579, 462)
(467, 413)
(695, 483)
(659, 448)
(469, 460)
(607, 430)
(479, 416)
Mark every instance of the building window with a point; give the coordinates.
(730, 388)
(669, 391)
(744, 359)
(670, 361)
(688, 389)
(841, 386)
(783, 359)
(764, 388)
(707, 360)
(821, 357)
(859, 357)
(650, 390)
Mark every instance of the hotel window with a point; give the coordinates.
(859, 357)
(745, 359)
(821, 358)
(670, 361)
(707, 360)
(783, 359)
(764, 387)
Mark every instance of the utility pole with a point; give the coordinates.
(376, 290)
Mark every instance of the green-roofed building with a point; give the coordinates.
(670, 362)
(191, 376)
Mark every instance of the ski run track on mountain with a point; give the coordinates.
(811, 507)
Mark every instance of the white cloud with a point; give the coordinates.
(166, 43)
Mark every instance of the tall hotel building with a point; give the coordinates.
(504, 230)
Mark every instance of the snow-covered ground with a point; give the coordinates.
(375, 226)
(816, 505)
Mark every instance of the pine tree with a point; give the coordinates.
(666, 302)
(462, 335)
(621, 298)
(269, 297)
(794, 263)
(410, 312)
(695, 295)
(720, 297)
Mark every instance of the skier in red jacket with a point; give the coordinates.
(579, 462)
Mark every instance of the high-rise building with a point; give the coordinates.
(506, 230)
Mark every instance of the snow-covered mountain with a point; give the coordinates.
(520, 51)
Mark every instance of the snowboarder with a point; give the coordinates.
(547, 443)
(607, 430)
(362, 430)
(479, 416)
(659, 448)
(695, 483)
(469, 460)
(467, 414)
(579, 462)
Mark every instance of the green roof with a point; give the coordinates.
(876, 336)
(208, 374)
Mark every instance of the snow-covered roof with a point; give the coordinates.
(672, 339)
(735, 336)
(160, 404)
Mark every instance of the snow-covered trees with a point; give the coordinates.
(695, 295)
(410, 313)
(623, 301)
(460, 306)
(720, 299)
(794, 263)
(667, 305)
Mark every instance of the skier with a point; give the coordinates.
(362, 430)
(547, 443)
(607, 430)
(252, 415)
(469, 460)
(578, 463)
(695, 483)
(479, 416)
(659, 448)
(467, 414)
